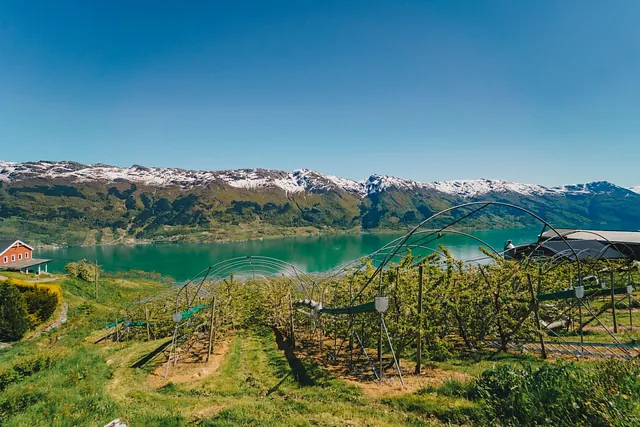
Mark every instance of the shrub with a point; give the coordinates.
(14, 320)
(82, 270)
(41, 299)
(438, 350)
(41, 303)
(23, 369)
(563, 394)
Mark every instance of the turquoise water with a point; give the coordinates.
(310, 254)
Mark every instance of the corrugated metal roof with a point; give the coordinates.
(601, 235)
(584, 249)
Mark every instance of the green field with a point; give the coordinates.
(64, 378)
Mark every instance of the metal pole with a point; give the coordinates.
(613, 303)
(630, 314)
(335, 337)
(173, 340)
(292, 331)
(213, 310)
(380, 350)
(351, 322)
(419, 342)
(580, 318)
(364, 351)
(96, 280)
(629, 293)
(391, 348)
(146, 316)
(381, 331)
(534, 302)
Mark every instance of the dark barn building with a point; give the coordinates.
(586, 244)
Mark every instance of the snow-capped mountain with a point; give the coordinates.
(300, 180)
(85, 204)
(635, 189)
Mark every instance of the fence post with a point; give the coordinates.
(534, 301)
(96, 280)
(146, 316)
(292, 331)
(613, 303)
(419, 342)
(213, 310)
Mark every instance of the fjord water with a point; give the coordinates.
(311, 254)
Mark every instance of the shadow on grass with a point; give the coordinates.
(277, 386)
(298, 369)
(105, 337)
(140, 363)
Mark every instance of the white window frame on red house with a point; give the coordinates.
(26, 255)
(6, 260)
(16, 244)
(19, 257)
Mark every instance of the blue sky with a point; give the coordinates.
(534, 91)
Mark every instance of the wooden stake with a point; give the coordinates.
(146, 316)
(581, 331)
(613, 303)
(292, 331)
(419, 342)
(630, 314)
(96, 280)
(213, 310)
(534, 302)
(381, 332)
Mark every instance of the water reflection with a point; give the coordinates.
(310, 254)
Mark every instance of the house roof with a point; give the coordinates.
(584, 249)
(18, 265)
(629, 237)
(6, 244)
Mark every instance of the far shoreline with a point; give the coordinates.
(317, 233)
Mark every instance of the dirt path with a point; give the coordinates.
(45, 280)
(189, 370)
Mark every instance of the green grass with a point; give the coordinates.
(255, 386)
(475, 364)
(87, 384)
(63, 379)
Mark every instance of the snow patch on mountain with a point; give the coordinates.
(462, 188)
(635, 189)
(300, 180)
(478, 187)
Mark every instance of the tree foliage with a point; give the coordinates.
(14, 320)
(82, 270)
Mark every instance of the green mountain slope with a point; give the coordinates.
(71, 204)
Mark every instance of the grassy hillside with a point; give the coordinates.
(400, 209)
(93, 213)
(88, 213)
(65, 378)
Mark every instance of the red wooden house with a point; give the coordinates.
(17, 255)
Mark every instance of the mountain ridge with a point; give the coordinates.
(69, 203)
(295, 181)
